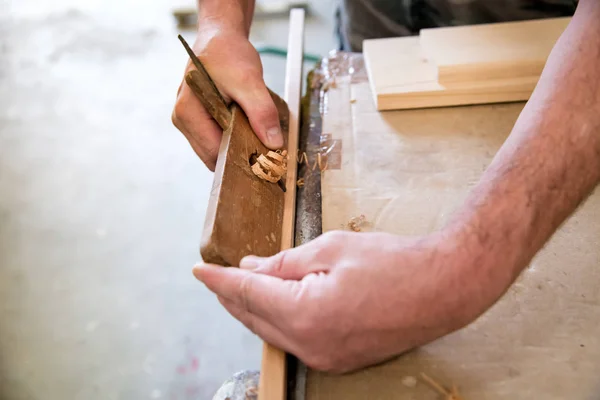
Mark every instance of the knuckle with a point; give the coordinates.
(250, 76)
(266, 110)
(175, 119)
(246, 291)
(334, 236)
(324, 362)
(305, 327)
(179, 110)
(211, 151)
(331, 239)
(278, 262)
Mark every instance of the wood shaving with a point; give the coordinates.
(300, 182)
(352, 101)
(251, 393)
(449, 394)
(356, 223)
(321, 167)
(319, 163)
(302, 157)
(409, 381)
(332, 84)
(271, 167)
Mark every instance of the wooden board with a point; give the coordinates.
(244, 213)
(491, 51)
(402, 78)
(407, 171)
(272, 385)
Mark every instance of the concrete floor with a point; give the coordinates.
(101, 207)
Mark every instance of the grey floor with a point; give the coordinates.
(102, 203)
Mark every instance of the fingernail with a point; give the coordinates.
(250, 262)
(198, 269)
(274, 137)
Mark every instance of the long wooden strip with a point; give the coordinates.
(272, 384)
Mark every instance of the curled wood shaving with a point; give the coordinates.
(319, 163)
(356, 223)
(275, 168)
(321, 167)
(270, 167)
(302, 157)
(251, 393)
(300, 182)
(449, 395)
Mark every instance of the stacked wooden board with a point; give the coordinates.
(476, 64)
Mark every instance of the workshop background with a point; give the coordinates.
(102, 204)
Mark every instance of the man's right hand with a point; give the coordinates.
(235, 67)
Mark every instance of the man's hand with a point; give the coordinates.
(235, 66)
(347, 300)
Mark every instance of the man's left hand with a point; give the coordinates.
(348, 300)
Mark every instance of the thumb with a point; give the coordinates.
(262, 115)
(287, 265)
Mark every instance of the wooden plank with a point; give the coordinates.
(272, 384)
(491, 51)
(402, 78)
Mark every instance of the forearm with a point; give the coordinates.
(234, 14)
(549, 164)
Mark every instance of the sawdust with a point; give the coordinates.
(409, 381)
(356, 223)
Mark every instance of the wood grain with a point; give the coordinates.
(402, 78)
(272, 384)
(244, 213)
(486, 52)
(209, 97)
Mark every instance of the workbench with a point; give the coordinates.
(405, 172)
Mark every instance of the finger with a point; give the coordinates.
(197, 147)
(292, 264)
(267, 331)
(265, 296)
(262, 113)
(201, 130)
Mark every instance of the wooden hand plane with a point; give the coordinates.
(245, 213)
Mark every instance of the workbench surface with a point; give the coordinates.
(406, 171)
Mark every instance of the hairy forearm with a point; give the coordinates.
(549, 164)
(234, 14)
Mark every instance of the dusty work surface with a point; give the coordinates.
(406, 171)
